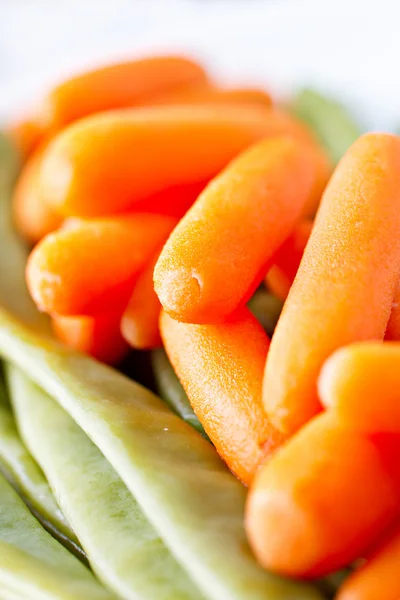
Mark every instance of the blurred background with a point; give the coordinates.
(347, 47)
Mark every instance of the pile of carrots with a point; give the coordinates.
(157, 202)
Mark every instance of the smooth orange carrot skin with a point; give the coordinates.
(208, 94)
(342, 293)
(219, 251)
(106, 163)
(139, 324)
(174, 201)
(220, 367)
(321, 500)
(27, 135)
(98, 335)
(118, 85)
(79, 270)
(378, 578)
(33, 218)
(286, 261)
(360, 383)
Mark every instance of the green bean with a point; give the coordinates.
(13, 253)
(125, 552)
(170, 389)
(184, 488)
(266, 308)
(332, 124)
(33, 564)
(24, 474)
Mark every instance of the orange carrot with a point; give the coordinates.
(98, 335)
(378, 578)
(116, 86)
(33, 218)
(27, 135)
(218, 253)
(220, 367)
(106, 163)
(139, 324)
(78, 270)
(342, 293)
(286, 261)
(321, 500)
(208, 94)
(174, 201)
(361, 384)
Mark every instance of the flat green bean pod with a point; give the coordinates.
(332, 124)
(13, 253)
(182, 485)
(125, 551)
(170, 389)
(23, 472)
(33, 564)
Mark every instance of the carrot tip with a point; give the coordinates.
(169, 285)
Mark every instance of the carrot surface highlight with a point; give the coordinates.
(98, 335)
(106, 163)
(220, 367)
(33, 218)
(208, 94)
(361, 385)
(321, 500)
(139, 324)
(346, 281)
(378, 578)
(81, 269)
(219, 251)
(286, 260)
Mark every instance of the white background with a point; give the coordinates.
(348, 47)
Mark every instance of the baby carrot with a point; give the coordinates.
(139, 324)
(218, 253)
(220, 367)
(321, 500)
(27, 135)
(207, 94)
(81, 269)
(378, 578)
(106, 163)
(98, 335)
(287, 259)
(361, 384)
(341, 293)
(33, 218)
(116, 86)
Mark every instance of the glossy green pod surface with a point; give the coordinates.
(124, 550)
(170, 389)
(35, 565)
(23, 472)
